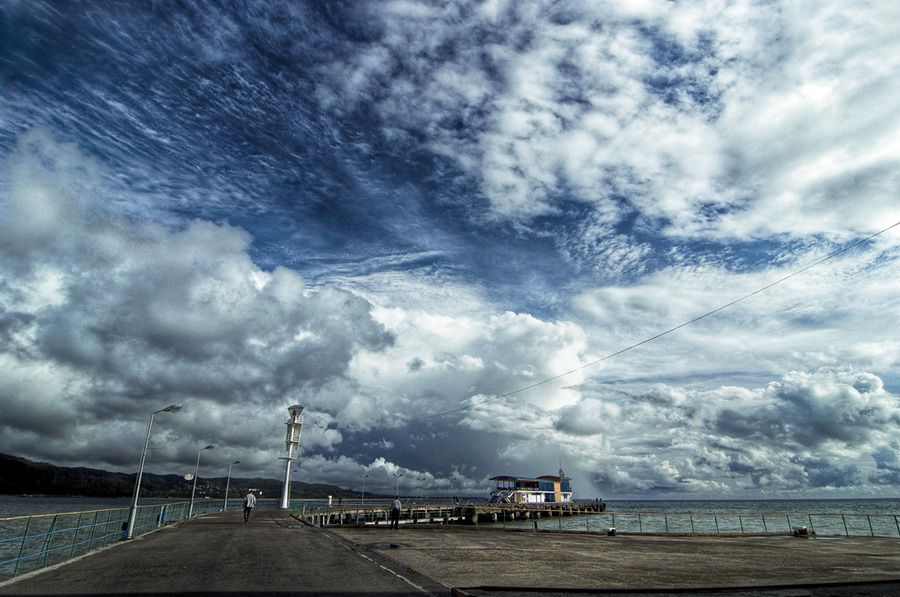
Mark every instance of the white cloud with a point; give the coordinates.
(622, 132)
(815, 432)
(114, 316)
(716, 120)
(132, 316)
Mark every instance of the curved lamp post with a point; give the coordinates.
(228, 484)
(398, 483)
(196, 470)
(172, 408)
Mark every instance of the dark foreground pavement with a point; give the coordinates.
(218, 554)
(489, 561)
(275, 555)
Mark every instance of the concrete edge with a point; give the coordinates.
(477, 591)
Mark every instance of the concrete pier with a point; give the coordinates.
(491, 561)
(277, 555)
(217, 554)
(448, 513)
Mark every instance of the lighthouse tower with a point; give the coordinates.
(291, 449)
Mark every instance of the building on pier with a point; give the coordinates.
(548, 489)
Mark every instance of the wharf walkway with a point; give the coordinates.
(217, 554)
(467, 513)
(276, 555)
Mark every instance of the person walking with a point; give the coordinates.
(249, 503)
(395, 513)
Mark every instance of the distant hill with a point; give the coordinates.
(19, 476)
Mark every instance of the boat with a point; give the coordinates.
(548, 489)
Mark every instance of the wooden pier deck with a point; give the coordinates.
(451, 513)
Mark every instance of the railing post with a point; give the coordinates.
(871, 530)
(741, 520)
(716, 519)
(93, 529)
(765, 528)
(666, 518)
(897, 523)
(22, 549)
(106, 527)
(813, 530)
(75, 539)
(45, 551)
(692, 525)
(844, 518)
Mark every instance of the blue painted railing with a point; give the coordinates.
(31, 542)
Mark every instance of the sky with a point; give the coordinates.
(651, 243)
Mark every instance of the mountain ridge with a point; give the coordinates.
(21, 476)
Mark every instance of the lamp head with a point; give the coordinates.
(209, 447)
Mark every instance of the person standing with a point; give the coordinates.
(249, 503)
(395, 513)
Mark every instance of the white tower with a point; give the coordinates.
(291, 448)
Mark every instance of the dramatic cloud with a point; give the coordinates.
(471, 239)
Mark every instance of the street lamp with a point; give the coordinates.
(421, 487)
(398, 483)
(227, 484)
(196, 470)
(172, 408)
(362, 500)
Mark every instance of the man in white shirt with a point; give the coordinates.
(249, 503)
(395, 512)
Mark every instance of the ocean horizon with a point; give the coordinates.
(17, 505)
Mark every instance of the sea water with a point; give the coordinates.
(823, 517)
(11, 506)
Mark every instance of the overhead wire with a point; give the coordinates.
(647, 340)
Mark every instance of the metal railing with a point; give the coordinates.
(846, 525)
(31, 542)
(838, 525)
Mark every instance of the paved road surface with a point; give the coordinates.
(275, 555)
(218, 554)
(459, 556)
